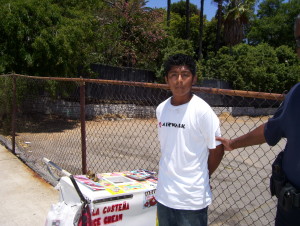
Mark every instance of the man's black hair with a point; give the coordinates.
(180, 60)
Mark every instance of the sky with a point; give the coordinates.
(210, 8)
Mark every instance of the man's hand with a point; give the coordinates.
(226, 143)
(254, 137)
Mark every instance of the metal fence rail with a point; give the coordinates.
(104, 126)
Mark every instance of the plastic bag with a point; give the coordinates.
(61, 214)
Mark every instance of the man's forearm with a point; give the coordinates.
(214, 158)
(254, 137)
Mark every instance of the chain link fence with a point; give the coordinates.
(107, 126)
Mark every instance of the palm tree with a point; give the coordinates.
(219, 24)
(201, 29)
(187, 26)
(168, 12)
(236, 16)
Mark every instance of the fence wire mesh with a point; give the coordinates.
(119, 132)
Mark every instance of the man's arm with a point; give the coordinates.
(214, 158)
(254, 137)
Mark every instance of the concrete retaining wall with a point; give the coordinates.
(72, 109)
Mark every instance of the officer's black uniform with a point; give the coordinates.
(286, 123)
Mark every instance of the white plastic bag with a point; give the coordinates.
(61, 214)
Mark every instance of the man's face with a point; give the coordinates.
(297, 37)
(180, 80)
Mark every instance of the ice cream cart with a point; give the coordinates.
(117, 198)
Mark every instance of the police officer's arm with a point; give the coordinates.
(214, 158)
(254, 137)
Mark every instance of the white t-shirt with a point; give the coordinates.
(185, 132)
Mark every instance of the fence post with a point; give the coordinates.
(13, 118)
(82, 121)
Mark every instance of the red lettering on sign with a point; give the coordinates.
(96, 212)
(113, 218)
(116, 207)
(97, 222)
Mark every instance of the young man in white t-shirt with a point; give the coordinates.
(187, 127)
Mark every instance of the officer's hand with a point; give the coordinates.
(226, 143)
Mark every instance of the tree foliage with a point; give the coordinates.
(259, 68)
(41, 38)
(180, 8)
(274, 23)
(62, 38)
(130, 34)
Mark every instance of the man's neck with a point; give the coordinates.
(176, 101)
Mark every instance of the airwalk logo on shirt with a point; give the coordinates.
(171, 124)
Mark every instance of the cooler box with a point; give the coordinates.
(115, 199)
